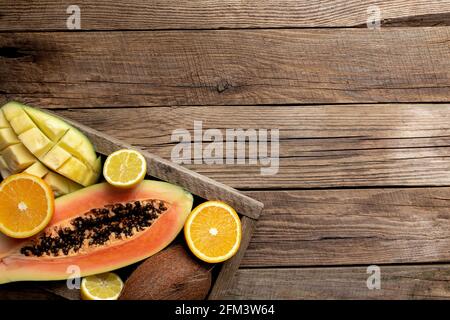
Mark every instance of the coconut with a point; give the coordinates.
(173, 274)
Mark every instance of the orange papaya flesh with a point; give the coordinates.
(98, 229)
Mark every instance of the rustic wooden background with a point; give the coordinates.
(363, 115)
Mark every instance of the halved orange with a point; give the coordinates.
(213, 231)
(26, 205)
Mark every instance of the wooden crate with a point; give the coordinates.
(199, 185)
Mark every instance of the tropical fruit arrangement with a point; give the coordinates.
(56, 213)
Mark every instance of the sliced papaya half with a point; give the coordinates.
(98, 229)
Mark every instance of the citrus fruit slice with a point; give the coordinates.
(213, 231)
(125, 168)
(105, 286)
(26, 205)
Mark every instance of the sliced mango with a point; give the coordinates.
(7, 138)
(3, 164)
(98, 165)
(12, 109)
(3, 122)
(17, 117)
(60, 147)
(67, 137)
(37, 169)
(55, 158)
(60, 185)
(96, 171)
(22, 123)
(18, 158)
(36, 142)
(77, 171)
(78, 145)
(51, 126)
(4, 170)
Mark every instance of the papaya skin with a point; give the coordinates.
(15, 266)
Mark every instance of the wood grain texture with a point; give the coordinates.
(351, 227)
(320, 146)
(226, 67)
(214, 14)
(397, 282)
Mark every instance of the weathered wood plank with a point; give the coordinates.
(351, 227)
(320, 146)
(226, 67)
(397, 282)
(213, 14)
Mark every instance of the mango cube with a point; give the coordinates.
(7, 138)
(60, 185)
(36, 142)
(21, 124)
(37, 169)
(55, 158)
(79, 146)
(18, 158)
(77, 171)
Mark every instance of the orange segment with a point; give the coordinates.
(26, 205)
(213, 231)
